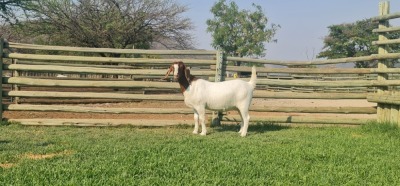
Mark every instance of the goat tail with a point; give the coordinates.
(253, 79)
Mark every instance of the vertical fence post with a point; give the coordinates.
(1, 76)
(383, 110)
(220, 72)
(15, 87)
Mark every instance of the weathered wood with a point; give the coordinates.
(301, 70)
(14, 87)
(62, 58)
(394, 113)
(385, 17)
(343, 110)
(141, 122)
(312, 70)
(296, 63)
(318, 62)
(314, 95)
(179, 97)
(220, 73)
(101, 122)
(386, 42)
(86, 83)
(382, 110)
(312, 83)
(83, 95)
(91, 70)
(111, 50)
(383, 30)
(80, 109)
(302, 119)
(385, 98)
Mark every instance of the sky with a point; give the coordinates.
(304, 23)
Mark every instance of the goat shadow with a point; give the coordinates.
(258, 127)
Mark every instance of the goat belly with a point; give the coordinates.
(219, 108)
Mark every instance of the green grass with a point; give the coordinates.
(270, 155)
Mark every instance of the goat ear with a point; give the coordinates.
(171, 69)
(187, 74)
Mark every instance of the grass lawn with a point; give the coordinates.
(270, 155)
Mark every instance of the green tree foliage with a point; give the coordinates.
(239, 32)
(109, 23)
(353, 40)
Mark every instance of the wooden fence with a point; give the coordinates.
(48, 79)
(386, 97)
(33, 84)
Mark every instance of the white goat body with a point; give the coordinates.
(218, 96)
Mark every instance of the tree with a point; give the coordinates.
(8, 9)
(109, 23)
(353, 40)
(239, 32)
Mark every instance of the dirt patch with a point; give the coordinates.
(7, 165)
(47, 156)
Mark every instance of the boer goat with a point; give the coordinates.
(219, 96)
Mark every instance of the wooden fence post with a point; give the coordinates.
(383, 110)
(220, 72)
(15, 87)
(1, 76)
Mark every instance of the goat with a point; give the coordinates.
(217, 96)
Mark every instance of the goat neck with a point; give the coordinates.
(185, 82)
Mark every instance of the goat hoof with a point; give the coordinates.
(243, 134)
(195, 132)
(203, 133)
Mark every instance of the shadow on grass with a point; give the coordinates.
(259, 127)
(5, 141)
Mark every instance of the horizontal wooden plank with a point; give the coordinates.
(300, 70)
(313, 95)
(343, 110)
(303, 119)
(296, 63)
(386, 42)
(63, 58)
(160, 123)
(100, 122)
(110, 50)
(81, 109)
(318, 62)
(386, 98)
(95, 95)
(91, 70)
(86, 83)
(312, 83)
(312, 70)
(179, 97)
(386, 17)
(383, 30)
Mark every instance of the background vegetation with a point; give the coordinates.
(355, 40)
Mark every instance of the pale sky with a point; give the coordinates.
(303, 22)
